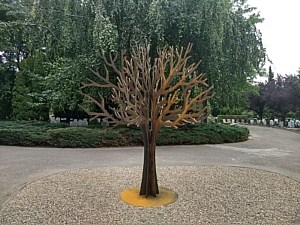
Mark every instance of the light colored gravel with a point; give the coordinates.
(207, 195)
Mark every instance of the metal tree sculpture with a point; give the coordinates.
(152, 94)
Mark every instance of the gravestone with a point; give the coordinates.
(52, 119)
(74, 122)
(281, 123)
(292, 124)
(83, 122)
(105, 122)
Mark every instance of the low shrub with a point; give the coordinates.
(62, 135)
(82, 137)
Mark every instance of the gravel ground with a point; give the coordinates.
(207, 195)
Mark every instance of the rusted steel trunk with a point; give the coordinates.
(149, 184)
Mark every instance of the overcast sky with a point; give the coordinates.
(281, 33)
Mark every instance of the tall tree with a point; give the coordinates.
(63, 32)
(28, 101)
(12, 51)
(225, 39)
(258, 101)
(223, 32)
(270, 75)
(282, 95)
(152, 95)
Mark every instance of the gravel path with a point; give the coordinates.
(207, 195)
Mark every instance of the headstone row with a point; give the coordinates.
(73, 122)
(290, 123)
(78, 122)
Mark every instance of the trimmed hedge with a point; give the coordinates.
(62, 135)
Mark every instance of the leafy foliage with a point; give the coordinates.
(28, 103)
(22, 100)
(283, 94)
(257, 101)
(6, 84)
(11, 51)
(70, 33)
(279, 96)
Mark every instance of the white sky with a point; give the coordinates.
(280, 33)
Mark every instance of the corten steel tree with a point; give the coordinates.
(152, 94)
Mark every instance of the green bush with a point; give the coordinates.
(30, 133)
(22, 137)
(82, 137)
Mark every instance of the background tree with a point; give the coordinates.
(282, 95)
(6, 85)
(257, 100)
(28, 103)
(270, 75)
(71, 32)
(151, 93)
(61, 32)
(225, 40)
(12, 51)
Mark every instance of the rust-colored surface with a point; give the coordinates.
(150, 93)
(132, 196)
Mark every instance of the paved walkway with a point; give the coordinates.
(268, 149)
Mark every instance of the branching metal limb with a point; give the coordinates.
(192, 108)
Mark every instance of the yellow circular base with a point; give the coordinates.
(132, 196)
